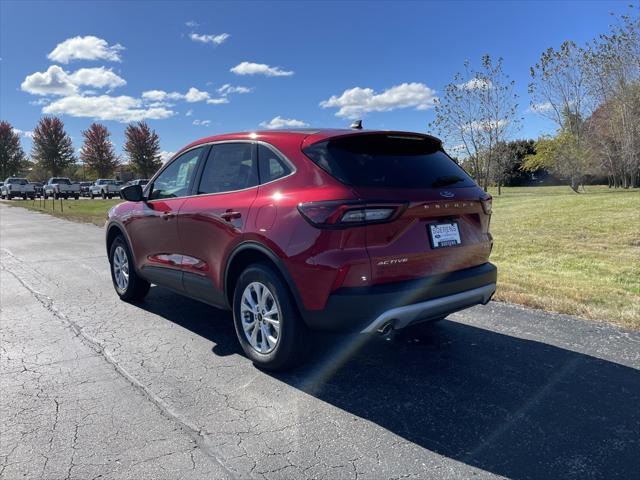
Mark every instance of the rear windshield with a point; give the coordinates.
(63, 181)
(393, 161)
(17, 181)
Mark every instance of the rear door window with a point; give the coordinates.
(272, 167)
(229, 167)
(391, 161)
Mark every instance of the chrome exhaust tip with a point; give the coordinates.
(385, 329)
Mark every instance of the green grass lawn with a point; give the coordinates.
(570, 253)
(555, 250)
(83, 210)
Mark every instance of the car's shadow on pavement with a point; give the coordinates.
(514, 407)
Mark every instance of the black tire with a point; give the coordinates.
(137, 287)
(55, 196)
(291, 345)
(45, 196)
(104, 196)
(76, 197)
(91, 196)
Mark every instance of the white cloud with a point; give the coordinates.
(476, 84)
(543, 107)
(97, 77)
(249, 68)
(356, 102)
(192, 24)
(189, 113)
(85, 48)
(227, 89)
(279, 122)
(23, 133)
(55, 81)
(217, 101)
(486, 124)
(165, 156)
(214, 39)
(204, 123)
(105, 107)
(195, 95)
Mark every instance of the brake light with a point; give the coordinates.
(487, 204)
(341, 214)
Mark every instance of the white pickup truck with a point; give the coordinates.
(105, 188)
(61, 187)
(17, 187)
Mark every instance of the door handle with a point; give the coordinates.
(167, 215)
(231, 215)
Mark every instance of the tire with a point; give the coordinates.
(91, 195)
(104, 196)
(45, 196)
(55, 196)
(136, 287)
(290, 346)
(76, 197)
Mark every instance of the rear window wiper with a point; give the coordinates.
(446, 180)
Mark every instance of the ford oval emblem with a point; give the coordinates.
(447, 194)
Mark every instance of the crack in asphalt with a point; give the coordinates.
(47, 302)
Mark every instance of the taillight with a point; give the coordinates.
(342, 214)
(487, 204)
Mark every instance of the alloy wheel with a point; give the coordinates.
(121, 269)
(260, 317)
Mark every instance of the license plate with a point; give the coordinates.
(444, 235)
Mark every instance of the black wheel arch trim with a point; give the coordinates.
(251, 245)
(123, 232)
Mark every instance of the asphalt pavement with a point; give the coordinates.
(91, 387)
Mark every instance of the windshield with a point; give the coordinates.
(17, 181)
(106, 182)
(63, 181)
(395, 161)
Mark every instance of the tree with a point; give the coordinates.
(563, 155)
(508, 167)
(559, 92)
(143, 147)
(612, 66)
(12, 156)
(52, 148)
(477, 112)
(97, 151)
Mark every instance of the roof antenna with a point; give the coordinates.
(357, 125)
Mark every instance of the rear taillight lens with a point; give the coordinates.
(487, 205)
(341, 214)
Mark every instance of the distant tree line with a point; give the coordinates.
(52, 152)
(591, 93)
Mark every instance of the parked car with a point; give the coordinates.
(37, 188)
(84, 188)
(105, 188)
(345, 230)
(61, 187)
(14, 187)
(139, 181)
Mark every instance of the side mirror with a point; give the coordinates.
(132, 193)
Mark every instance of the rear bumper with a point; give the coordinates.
(403, 303)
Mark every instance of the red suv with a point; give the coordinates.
(309, 229)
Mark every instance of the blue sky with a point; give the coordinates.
(391, 59)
